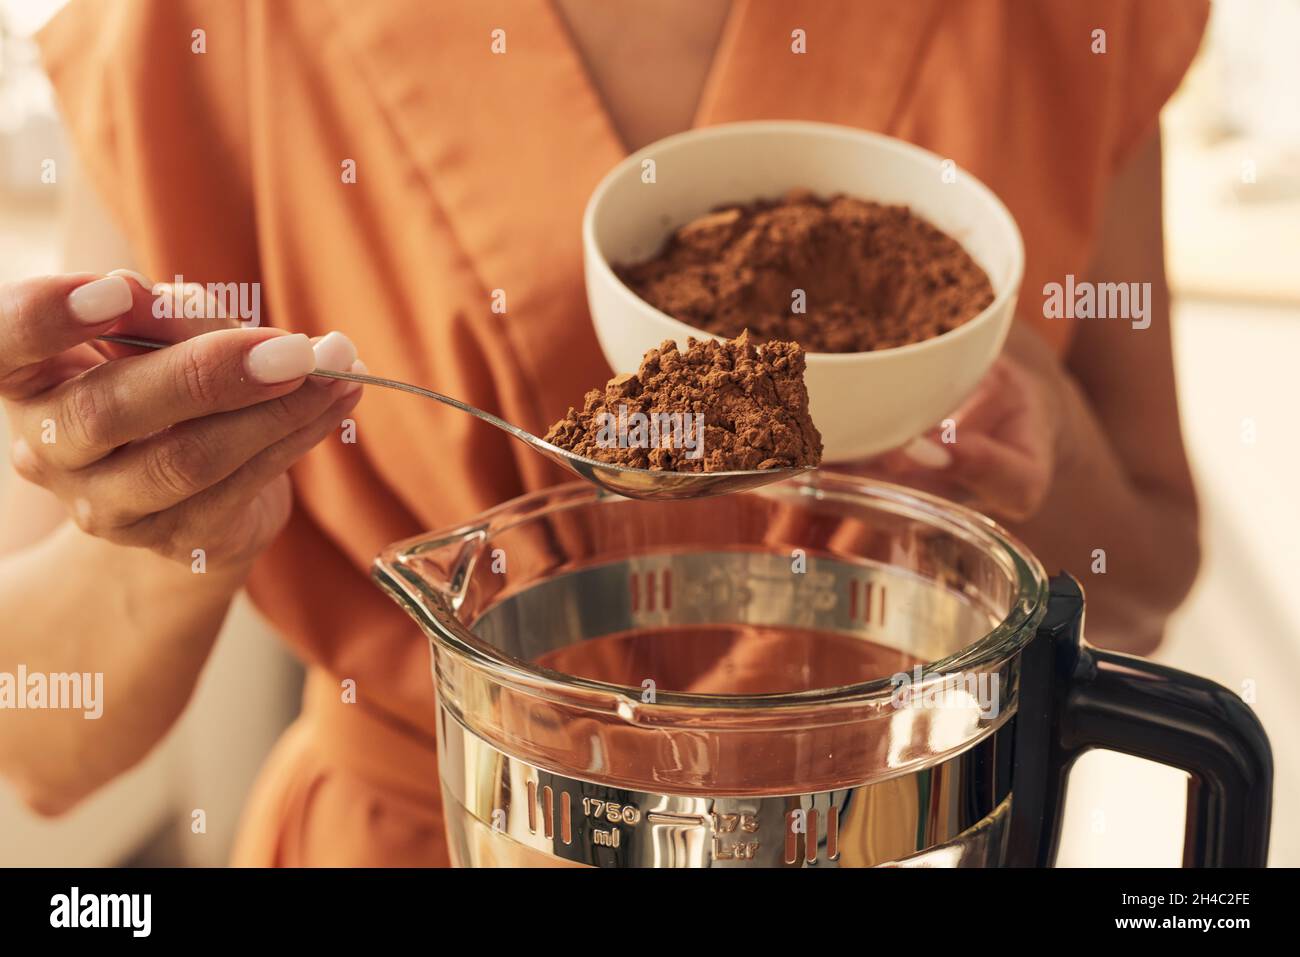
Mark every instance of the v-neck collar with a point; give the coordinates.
(860, 59)
(729, 24)
(510, 145)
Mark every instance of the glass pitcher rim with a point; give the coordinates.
(1026, 610)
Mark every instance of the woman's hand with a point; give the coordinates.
(999, 451)
(175, 450)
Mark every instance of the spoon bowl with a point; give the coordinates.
(659, 485)
(652, 484)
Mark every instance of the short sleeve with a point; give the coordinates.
(1159, 42)
(152, 95)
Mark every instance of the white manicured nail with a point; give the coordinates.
(343, 387)
(145, 282)
(928, 454)
(21, 454)
(81, 507)
(281, 359)
(335, 352)
(100, 301)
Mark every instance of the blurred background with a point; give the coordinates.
(1232, 221)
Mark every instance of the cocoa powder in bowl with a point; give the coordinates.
(873, 276)
(716, 407)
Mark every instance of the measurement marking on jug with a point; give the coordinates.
(735, 848)
(679, 820)
(868, 602)
(657, 593)
(727, 823)
(799, 821)
(611, 812)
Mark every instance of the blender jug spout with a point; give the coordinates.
(429, 577)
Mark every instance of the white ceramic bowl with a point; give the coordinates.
(864, 403)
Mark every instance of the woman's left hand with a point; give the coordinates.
(1000, 450)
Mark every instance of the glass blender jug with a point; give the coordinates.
(829, 672)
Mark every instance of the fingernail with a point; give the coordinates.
(81, 507)
(145, 282)
(100, 301)
(335, 352)
(928, 454)
(281, 359)
(21, 454)
(342, 387)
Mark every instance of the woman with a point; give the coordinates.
(395, 171)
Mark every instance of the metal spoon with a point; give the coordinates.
(629, 482)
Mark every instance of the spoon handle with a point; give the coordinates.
(368, 380)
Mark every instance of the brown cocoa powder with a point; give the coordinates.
(874, 276)
(716, 407)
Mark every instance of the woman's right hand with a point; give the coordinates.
(173, 450)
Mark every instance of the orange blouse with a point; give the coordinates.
(472, 170)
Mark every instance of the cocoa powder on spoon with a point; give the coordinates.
(716, 407)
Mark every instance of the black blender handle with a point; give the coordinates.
(1121, 703)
